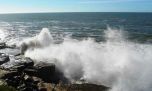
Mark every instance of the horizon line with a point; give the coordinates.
(79, 12)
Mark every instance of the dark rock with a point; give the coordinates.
(27, 89)
(36, 82)
(46, 71)
(2, 45)
(11, 46)
(84, 87)
(4, 58)
(28, 81)
(59, 75)
(23, 64)
(43, 89)
(35, 87)
(13, 81)
(11, 75)
(20, 68)
(17, 54)
(28, 62)
(21, 87)
(31, 71)
(27, 84)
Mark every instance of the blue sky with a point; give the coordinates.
(27, 6)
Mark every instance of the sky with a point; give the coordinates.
(36, 6)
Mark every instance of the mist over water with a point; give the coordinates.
(116, 62)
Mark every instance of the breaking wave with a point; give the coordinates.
(116, 62)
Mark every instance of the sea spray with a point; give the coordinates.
(3, 34)
(42, 40)
(117, 63)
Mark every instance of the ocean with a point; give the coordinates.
(112, 49)
(77, 25)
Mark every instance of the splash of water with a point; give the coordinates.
(44, 39)
(117, 63)
(3, 34)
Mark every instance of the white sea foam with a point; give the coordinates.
(3, 34)
(117, 63)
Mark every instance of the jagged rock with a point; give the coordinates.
(11, 74)
(27, 89)
(36, 80)
(28, 62)
(31, 71)
(2, 45)
(83, 87)
(29, 81)
(23, 64)
(21, 87)
(14, 81)
(43, 89)
(3, 58)
(27, 77)
(46, 71)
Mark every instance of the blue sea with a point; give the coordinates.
(138, 26)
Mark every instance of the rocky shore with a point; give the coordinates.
(24, 74)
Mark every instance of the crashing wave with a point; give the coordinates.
(42, 40)
(118, 63)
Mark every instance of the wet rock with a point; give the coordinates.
(21, 87)
(23, 64)
(31, 71)
(3, 58)
(46, 71)
(59, 76)
(36, 80)
(27, 77)
(27, 89)
(29, 81)
(83, 87)
(28, 85)
(10, 75)
(43, 89)
(12, 46)
(14, 81)
(27, 62)
(2, 45)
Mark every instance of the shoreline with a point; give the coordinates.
(26, 75)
